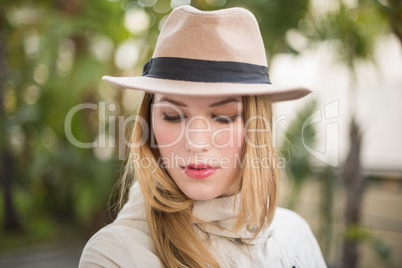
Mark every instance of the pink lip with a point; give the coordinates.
(200, 171)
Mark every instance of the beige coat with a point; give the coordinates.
(288, 242)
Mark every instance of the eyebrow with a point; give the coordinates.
(216, 104)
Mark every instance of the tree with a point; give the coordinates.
(353, 32)
(11, 221)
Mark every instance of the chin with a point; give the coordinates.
(198, 195)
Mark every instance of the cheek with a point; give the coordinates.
(167, 134)
(230, 139)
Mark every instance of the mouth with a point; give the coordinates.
(198, 166)
(199, 171)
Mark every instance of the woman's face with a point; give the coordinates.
(200, 140)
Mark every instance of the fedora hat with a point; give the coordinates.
(211, 53)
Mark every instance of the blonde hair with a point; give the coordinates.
(167, 207)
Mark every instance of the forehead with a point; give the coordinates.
(198, 101)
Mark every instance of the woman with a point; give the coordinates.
(202, 154)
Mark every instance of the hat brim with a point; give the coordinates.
(179, 87)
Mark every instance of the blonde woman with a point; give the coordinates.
(202, 172)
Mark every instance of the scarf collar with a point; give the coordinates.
(222, 212)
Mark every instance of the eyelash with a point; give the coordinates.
(169, 118)
(219, 119)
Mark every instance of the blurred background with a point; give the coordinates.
(61, 127)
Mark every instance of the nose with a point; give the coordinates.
(198, 134)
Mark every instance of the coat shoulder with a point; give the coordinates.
(291, 227)
(119, 245)
(297, 238)
(289, 219)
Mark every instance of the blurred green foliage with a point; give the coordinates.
(293, 148)
(51, 66)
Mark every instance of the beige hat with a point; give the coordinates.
(211, 53)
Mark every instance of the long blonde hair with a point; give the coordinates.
(168, 208)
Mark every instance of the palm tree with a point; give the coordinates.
(353, 32)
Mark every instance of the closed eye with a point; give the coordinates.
(220, 119)
(174, 118)
(225, 119)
